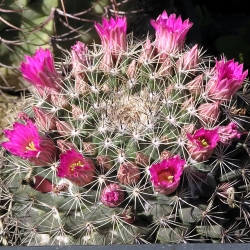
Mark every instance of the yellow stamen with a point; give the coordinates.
(203, 142)
(72, 167)
(166, 176)
(31, 146)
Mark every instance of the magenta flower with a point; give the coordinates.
(201, 144)
(112, 195)
(76, 168)
(228, 78)
(229, 132)
(25, 142)
(165, 175)
(170, 33)
(40, 71)
(113, 35)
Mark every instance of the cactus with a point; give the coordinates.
(128, 142)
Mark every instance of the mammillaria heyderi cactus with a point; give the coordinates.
(129, 142)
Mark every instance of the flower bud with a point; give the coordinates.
(189, 60)
(76, 112)
(166, 154)
(89, 148)
(141, 159)
(41, 184)
(104, 161)
(131, 70)
(166, 68)
(23, 116)
(188, 103)
(208, 113)
(228, 133)
(187, 129)
(44, 120)
(58, 100)
(128, 173)
(64, 145)
(129, 215)
(112, 195)
(106, 63)
(64, 128)
(146, 53)
(195, 87)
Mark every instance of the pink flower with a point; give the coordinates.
(165, 175)
(112, 195)
(76, 168)
(229, 132)
(113, 35)
(201, 144)
(208, 113)
(40, 71)
(170, 33)
(25, 142)
(228, 78)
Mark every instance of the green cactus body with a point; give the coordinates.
(126, 122)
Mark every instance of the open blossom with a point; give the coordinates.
(165, 175)
(170, 33)
(229, 132)
(112, 195)
(25, 142)
(113, 34)
(76, 168)
(40, 71)
(228, 78)
(201, 144)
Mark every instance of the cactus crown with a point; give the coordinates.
(129, 142)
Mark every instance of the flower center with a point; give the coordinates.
(166, 176)
(112, 196)
(204, 143)
(31, 147)
(72, 166)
